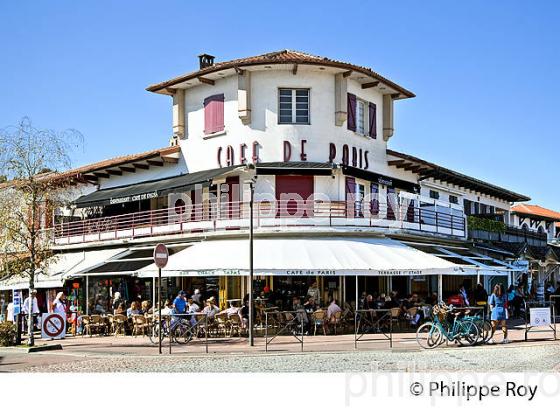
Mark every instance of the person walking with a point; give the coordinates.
(59, 304)
(499, 315)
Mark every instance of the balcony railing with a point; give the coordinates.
(211, 217)
(512, 235)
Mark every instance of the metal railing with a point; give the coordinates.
(210, 217)
(286, 322)
(373, 321)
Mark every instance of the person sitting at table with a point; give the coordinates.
(211, 309)
(117, 300)
(296, 304)
(369, 303)
(332, 310)
(146, 306)
(134, 309)
(167, 308)
(231, 310)
(192, 308)
(99, 309)
(310, 306)
(121, 309)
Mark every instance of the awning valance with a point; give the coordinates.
(303, 257)
(150, 189)
(380, 179)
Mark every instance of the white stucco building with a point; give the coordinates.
(332, 202)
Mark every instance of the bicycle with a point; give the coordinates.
(179, 329)
(486, 331)
(432, 334)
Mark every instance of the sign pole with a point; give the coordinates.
(161, 256)
(159, 309)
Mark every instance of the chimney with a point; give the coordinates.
(205, 60)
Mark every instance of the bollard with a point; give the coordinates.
(18, 335)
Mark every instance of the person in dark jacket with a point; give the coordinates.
(480, 295)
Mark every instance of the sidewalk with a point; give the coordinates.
(79, 352)
(141, 345)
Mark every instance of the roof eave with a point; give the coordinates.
(162, 88)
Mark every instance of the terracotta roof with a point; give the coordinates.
(280, 57)
(536, 210)
(78, 173)
(430, 170)
(116, 161)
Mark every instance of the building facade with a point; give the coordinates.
(303, 141)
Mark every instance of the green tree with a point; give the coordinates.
(27, 155)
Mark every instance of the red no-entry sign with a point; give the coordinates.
(161, 255)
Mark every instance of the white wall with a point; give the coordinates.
(201, 152)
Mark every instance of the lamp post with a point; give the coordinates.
(251, 318)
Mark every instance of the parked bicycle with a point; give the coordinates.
(433, 334)
(178, 328)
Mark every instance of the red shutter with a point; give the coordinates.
(301, 185)
(372, 120)
(351, 108)
(234, 192)
(350, 196)
(214, 114)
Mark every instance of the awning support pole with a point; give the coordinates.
(440, 287)
(87, 295)
(154, 293)
(357, 305)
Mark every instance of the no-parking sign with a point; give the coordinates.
(53, 326)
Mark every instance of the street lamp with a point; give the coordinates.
(251, 184)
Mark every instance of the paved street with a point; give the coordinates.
(322, 354)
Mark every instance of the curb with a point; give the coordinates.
(33, 349)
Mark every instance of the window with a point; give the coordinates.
(214, 114)
(468, 207)
(453, 199)
(434, 194)
(293, 106)
(361, 117)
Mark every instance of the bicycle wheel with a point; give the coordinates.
(487, 331)
(154, 333)
(428, 336)
(182, 333)
(468, 333)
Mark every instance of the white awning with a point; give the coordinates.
(303, 257)
(61, 267)
(91, 260)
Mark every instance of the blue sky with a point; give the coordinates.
(485, 73)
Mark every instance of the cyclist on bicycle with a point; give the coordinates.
(179, 305)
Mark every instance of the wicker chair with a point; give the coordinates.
(119, 322)
(336, 320)
(139, 324)
(395, 315)
(234, 325)
(96, 324)
(86, 324)
(319, 318)
(220, 324)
